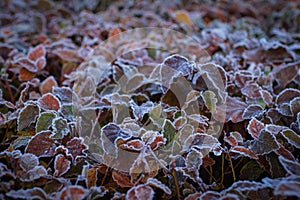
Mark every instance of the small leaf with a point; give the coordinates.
(33, 174)
(292, 137)
(73, 192)
(49, 102)
(47, 85)
(169, 131)
(28, 161)
(255, 127)
(251, 90)
(41, 145)
(142, 192)
(61, 165)
(27, 64)
(44, 121)
(252, 111)
(60, 128)
(27, 116)
(183, 17)
(33, 193)
(264, 144)
(92, 177)
(290, 166)
(41, 63)
(121, 179)
(38, 52)
(180, 64)
(287, 95)
(76, 148)
(234, 138)
(67, 55)
(156, 183)
(210, 100)
(288, 188)
(243, 151)
(194, 159)
(251, 171)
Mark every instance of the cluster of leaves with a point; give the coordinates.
(66, 117)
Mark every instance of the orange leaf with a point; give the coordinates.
(92, 177)
(183, 17)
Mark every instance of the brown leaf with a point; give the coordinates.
(255, 127)
(61, 165)
(41, 63)
(121, 179)
(244, 151)
(41, 145)
(251, 90)
(73, 192)
(25, 75)
(233, 110)
(49, 102)
(36, 53)
(47, 85)
(67, 55)
(76, 147)
(92, 177)
(141, 192)
(27, 64)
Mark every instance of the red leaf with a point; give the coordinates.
(255, 127)
(47, 85)
(41, 145)
(114, 35)
(61, 165)
(49, 102)
(38, 52)
(121, 179)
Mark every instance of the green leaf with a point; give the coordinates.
(27, 116)
(44, 121)
(60, 128)
(292, 137)
(210, 100)
(169, 131)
